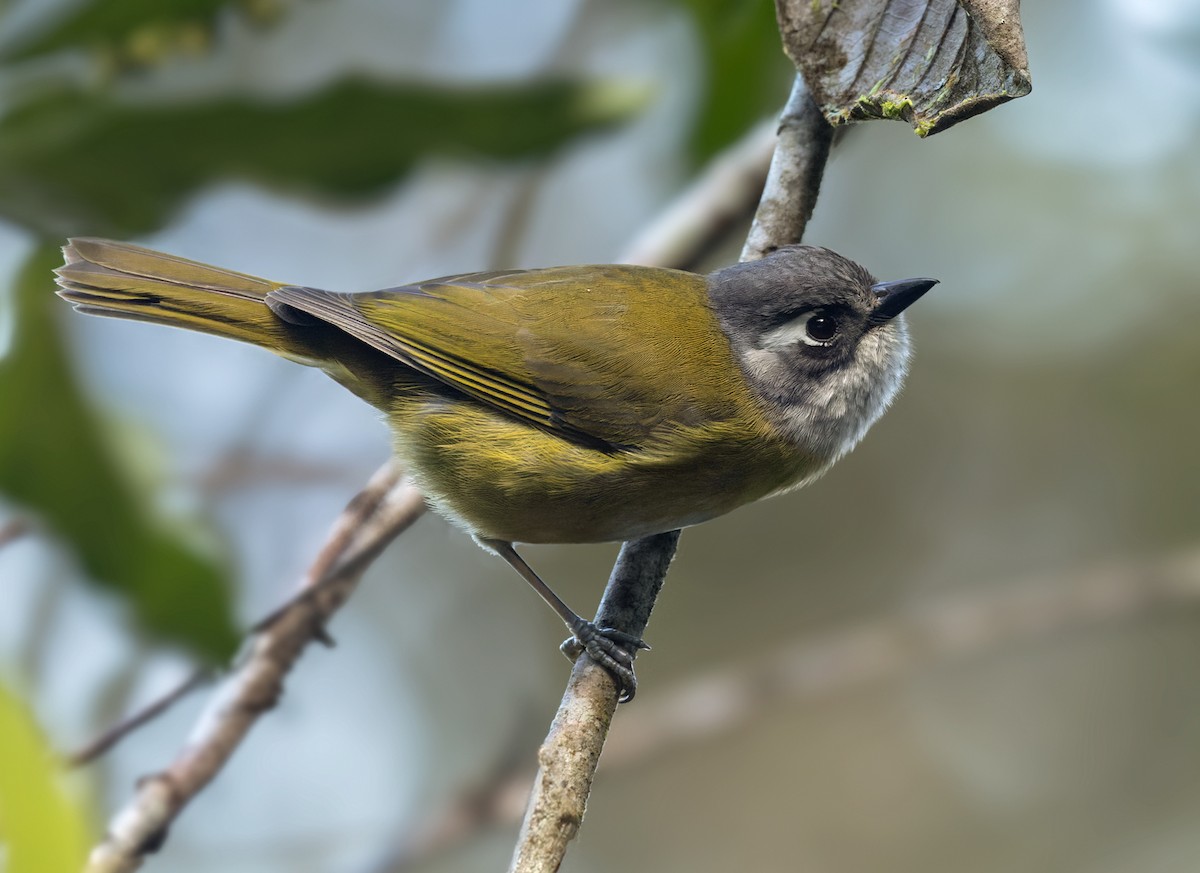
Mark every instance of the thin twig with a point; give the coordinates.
(106, 741)
(567, 759)
(103, 743)
(808, 669)
(385, 508)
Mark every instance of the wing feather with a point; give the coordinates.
(589, 353)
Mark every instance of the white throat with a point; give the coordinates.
(832, 413)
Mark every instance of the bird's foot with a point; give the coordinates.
(612, 649)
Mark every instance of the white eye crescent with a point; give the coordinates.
(814, 328)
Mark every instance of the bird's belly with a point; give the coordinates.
(620, 508)
(503, 480)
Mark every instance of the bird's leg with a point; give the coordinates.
(612, 649)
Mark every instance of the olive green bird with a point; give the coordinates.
(569, 404)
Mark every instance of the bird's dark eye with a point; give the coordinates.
(820, 329)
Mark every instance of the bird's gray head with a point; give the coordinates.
(819, 340)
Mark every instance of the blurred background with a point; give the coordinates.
(972, 646)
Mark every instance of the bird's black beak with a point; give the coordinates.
(895, 297)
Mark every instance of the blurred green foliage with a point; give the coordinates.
(42, 828)
(136, 32)
(80, 163)
(747, 74)
(53, 460)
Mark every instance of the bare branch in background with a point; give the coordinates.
(242, 467)
(498, 795)
(919, 637)
(699, 218)
(514, 226)
(568, 757)
(702, 709)
(13, 530)
(385, 508)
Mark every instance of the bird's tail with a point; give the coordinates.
(119, 280)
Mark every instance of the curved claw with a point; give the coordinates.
(612, 649)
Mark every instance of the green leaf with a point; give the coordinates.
(747, 76)
(42, 827)
(136, 32)
(77, 164)
(53, 460)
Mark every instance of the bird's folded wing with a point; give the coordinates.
(594, 354)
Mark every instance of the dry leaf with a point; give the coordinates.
(932, 63)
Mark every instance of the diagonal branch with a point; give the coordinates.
(568, 757)
(385, 508)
